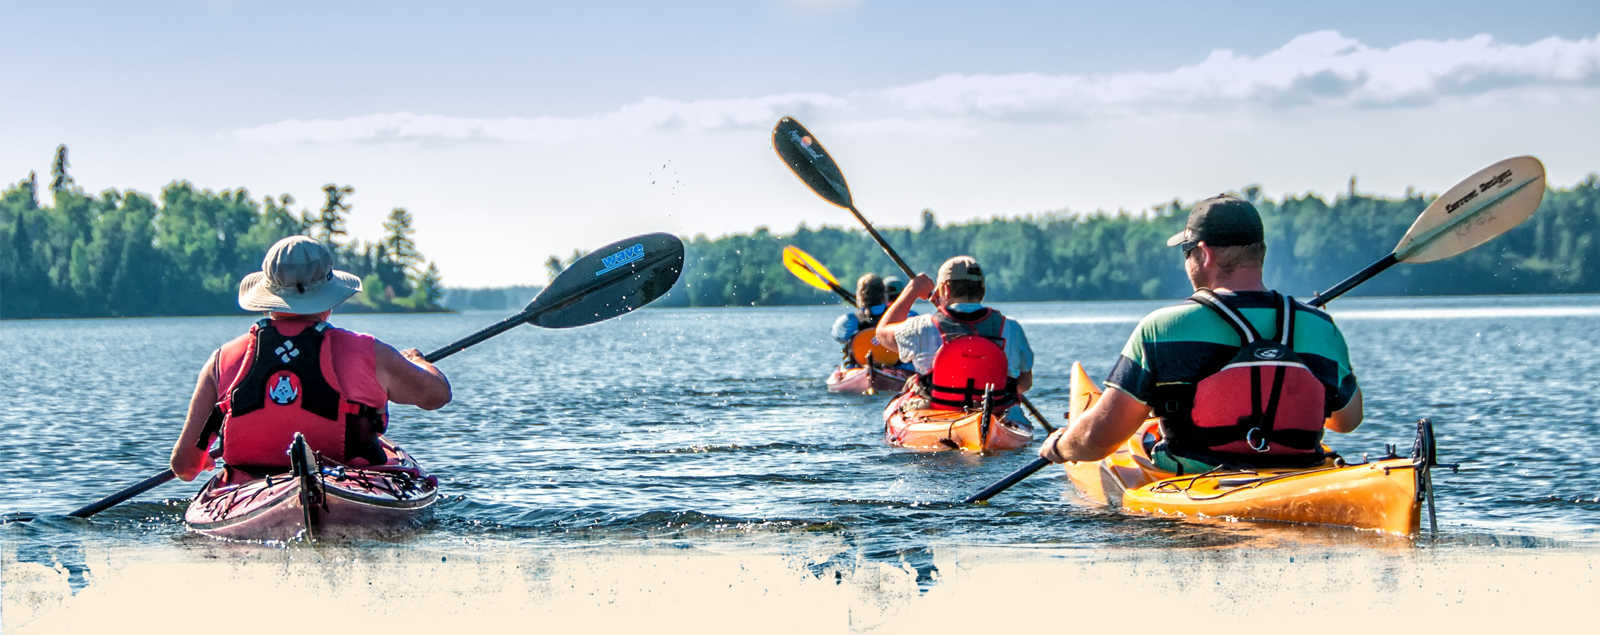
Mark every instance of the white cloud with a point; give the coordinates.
(1316, 68)
(1323, 68)
(650, 115)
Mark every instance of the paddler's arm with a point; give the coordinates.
(410, 379)
(1348, 418)
(1097, 432)
(920, 287)
(187, 460)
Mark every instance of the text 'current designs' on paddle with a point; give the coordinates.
(1484, 205)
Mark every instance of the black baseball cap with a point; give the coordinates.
(1220, 221)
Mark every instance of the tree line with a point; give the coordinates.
(1312, 243)
(124, 253)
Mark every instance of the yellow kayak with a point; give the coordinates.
(1384, 495)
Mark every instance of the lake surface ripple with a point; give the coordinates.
(709, 429)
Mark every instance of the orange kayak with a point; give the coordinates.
(952, 429)
(1382, 495)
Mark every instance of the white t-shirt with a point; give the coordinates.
(919, 340)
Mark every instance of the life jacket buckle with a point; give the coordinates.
(1257, 440)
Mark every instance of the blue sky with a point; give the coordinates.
(516, 130)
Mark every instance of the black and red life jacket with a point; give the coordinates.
(972, 358)
(272, 385)
(1264, 408)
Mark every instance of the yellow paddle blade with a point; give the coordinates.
(807, 269)
(864, 344)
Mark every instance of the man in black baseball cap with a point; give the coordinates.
(1176, 348)
(1220, 221)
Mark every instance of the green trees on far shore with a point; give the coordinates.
(123, 253)
(1312, 244)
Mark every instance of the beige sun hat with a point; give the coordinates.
(297, 277)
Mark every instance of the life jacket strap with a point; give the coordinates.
(1175, 403)
(971, 394)
(1260, 419)
(212, 427)
(1303, 440)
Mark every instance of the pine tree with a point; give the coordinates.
(30, 188)
(59, 179)
(329, 222)
(430, 287)
(553, 267)
(398, 242)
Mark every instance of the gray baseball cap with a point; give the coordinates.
(297, 277)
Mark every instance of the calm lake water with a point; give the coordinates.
(710, 429)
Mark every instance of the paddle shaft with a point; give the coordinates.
(1048, 429)
(1352, 282)
(126, 493)
(486, 333)
(130, 492)
(1010, 479)
(845, 295)
(882, 243)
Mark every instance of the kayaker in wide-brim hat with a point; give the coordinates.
(1240, 375)
(958, 297)
(295, 373)
(297, 277)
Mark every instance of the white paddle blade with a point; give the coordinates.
(1485, 205)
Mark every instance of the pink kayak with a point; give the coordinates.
(322, 500)
(927, 429)
(867, 380)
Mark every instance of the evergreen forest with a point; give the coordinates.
(124, 253)
(1312, 243)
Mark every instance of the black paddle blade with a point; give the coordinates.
(806, 157)
(609, 282)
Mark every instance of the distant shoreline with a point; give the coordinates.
(835, 304)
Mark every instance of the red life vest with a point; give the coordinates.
(971, 358)
(1264, 408)
(288, 376)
